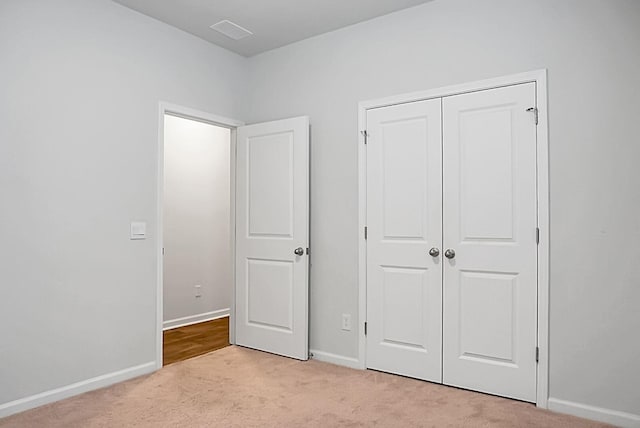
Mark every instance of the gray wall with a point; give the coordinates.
(196, 219)
(80, 82)
(590, 48)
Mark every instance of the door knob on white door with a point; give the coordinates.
(434, 252)
(298, 251)
(449, 253)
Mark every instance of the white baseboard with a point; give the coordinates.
(613, 417)
(194, 319)
(339, 360)
(57, 394)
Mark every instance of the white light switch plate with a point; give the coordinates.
(138, 230)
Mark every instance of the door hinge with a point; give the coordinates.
(365, 328)
(365, 134)
(163, 251)
(365, 232)
(537, 235)
(537, 354)
(535, 113)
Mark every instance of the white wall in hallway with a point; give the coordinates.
(196, 218)
(590, 48)
(81, 82)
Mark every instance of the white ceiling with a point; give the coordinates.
(274, 23)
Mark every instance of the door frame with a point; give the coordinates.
(212, 119)
(542, 180)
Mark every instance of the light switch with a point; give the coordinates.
(138, 230)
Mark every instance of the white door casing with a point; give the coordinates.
(272, 221)
(404, 216)
(490, 219)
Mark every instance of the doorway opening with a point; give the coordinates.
(196, 231)
(265, 262)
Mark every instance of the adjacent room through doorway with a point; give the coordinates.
(196, 226)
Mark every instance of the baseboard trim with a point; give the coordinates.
(61, 393)
(613, 417)
(194, 319)
(339, 360)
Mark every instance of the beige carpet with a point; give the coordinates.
(237, 387)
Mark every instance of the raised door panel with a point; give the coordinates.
(404, 304)
(487, 182)
(270, 294)
(488, 336)
(270, 176)
(404, 178)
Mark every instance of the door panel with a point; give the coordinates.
(485, 138)
(272, 220)
(403, 306)
(270, 281)
(270, 174)
(404, 208)
(490, 287)
(487, 335)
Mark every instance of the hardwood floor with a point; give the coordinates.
(186, 342)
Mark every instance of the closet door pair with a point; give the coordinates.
(451, 245)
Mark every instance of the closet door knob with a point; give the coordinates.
(434, 252)
(298, 251)
(449, 253)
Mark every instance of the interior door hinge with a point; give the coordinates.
(365, 232)
(537, 354)
(365, 134)
(535, 113)
(365, 328)
(163, 251)
(537, 235)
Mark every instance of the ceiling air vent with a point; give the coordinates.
(231, 30)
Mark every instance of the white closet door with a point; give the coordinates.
(490, 286)
(404, 209)
(272, 235)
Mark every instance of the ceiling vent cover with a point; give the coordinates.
(231, 30)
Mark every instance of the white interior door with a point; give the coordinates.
(272, 237)
(490, 286)
(404, 221)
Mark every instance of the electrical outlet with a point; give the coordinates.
(346, 322)
(198, 290)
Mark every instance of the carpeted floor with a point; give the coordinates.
(237, 387)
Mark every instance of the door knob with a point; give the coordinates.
(449, 253)
(434, 252)
(298, 251)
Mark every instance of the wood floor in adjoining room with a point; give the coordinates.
(190, 341)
